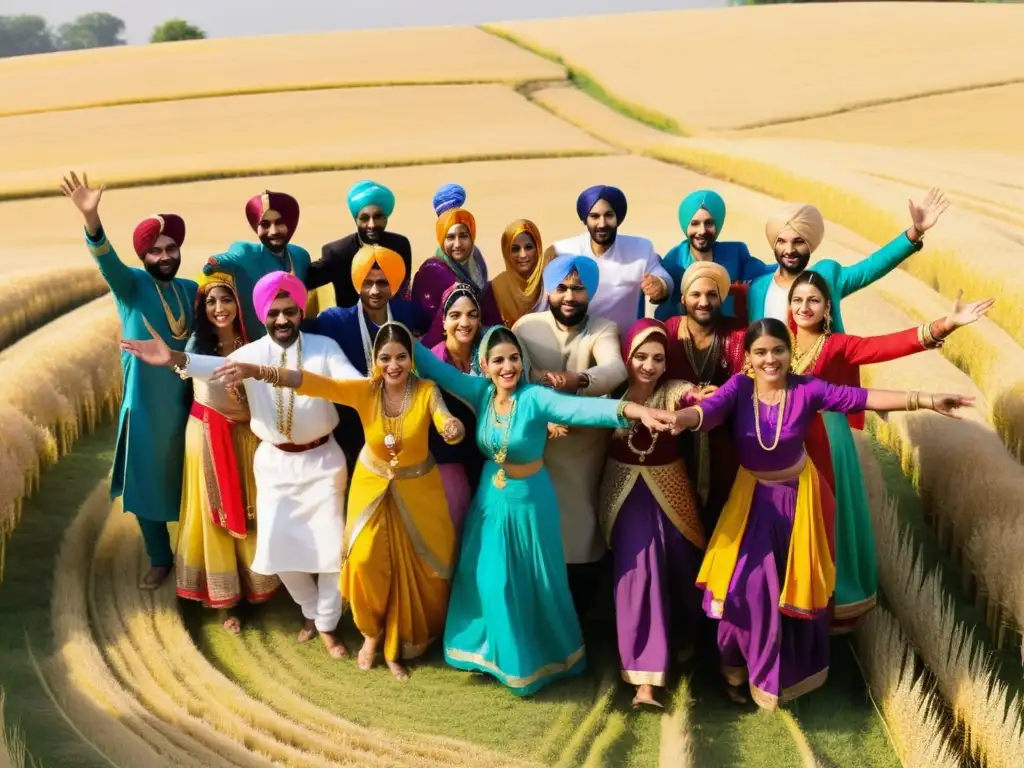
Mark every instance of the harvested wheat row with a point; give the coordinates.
(910, 708)
(12, 746)
(676, 747)
(31, 299)
(963, 670)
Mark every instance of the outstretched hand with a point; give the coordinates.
(556, 431)
(926, 213)
(454, 431)
(233, 373)
(152, 351)
(85, 198)
(965, 314)
(657, 419)
(947, 405)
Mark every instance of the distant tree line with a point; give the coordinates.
(26, 34)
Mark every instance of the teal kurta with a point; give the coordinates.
(155, 400)
(842, 281)
(247, 263)
(511, 614)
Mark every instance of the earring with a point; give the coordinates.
(748, 368)
(828, 322)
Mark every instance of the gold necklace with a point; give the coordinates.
(804, 361)
(284, 419)
(393, 425)
(642, 454)
(692, 353)
(501, 453)
(178, 325)
(757, 420)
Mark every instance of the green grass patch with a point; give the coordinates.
(587, 83)
(25, 601)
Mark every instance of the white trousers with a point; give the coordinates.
(320, 602)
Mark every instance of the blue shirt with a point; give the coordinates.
(735, 257)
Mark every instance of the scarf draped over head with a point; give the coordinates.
(514, 294)
(805, 220)
(364, 193)
(585, 267)
(640, 332)
(470, 270)
(449, 219)
(149, 230)
(707, 199)
(270, 285)
(286, 205)
(485, 347)
(458, 291)
(612, 195)
(718, 274)
(388, 261)
(447, 197)
(207, 283)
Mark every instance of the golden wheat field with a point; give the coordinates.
(94, 672)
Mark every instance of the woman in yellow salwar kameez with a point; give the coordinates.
(217, 525)
(399, 537)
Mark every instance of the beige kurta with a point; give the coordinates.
(575, 462)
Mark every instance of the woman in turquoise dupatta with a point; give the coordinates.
(511, 614)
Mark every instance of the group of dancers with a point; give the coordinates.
(464, 458)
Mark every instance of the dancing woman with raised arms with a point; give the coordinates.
(511, 614)
(768, 573)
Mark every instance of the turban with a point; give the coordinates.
(447, 197)
(389, 262)
(612, 195)
(458, 291)
(710, 201)
(364, 193)
(585, 267)
(716, 273)
(449, 219)
(640, 332)
(270, 285)
(804, 219)
(286, 205)
(148, 230)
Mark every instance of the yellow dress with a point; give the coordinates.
(212, 565)
(399, 538)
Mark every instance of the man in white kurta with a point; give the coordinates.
(300, 470)
(573, 351)
(630, 269)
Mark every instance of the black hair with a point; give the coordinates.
(768, 326)
(502, 336)
(814, 279)
(205, 340)
(392, 332)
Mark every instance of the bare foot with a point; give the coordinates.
(334, 646)
(233, 625)
(400, 673)
(308, 631)
(735, 694)
(366, 653)
(645, 697)
(156, 576)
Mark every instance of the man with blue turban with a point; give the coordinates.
(572, 350)
(702, 218)
(371, 205)
(629, 267)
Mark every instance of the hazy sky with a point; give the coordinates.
(227, 18)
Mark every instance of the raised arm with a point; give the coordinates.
(355, 393)
(227, 261)
(87, 200)
(470, 389)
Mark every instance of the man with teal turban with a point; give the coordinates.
(371, 204)
(702, 218)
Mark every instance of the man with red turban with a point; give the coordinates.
(629, 266)
(155, 403)
(273, 216)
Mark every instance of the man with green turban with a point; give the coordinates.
(371, 204)
(702, 217)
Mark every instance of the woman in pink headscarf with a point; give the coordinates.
(650, 519)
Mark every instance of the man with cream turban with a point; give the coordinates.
(629, 266)
(706, 347)
(155, 403)
(795, 232)
(371, 205)
(274, 217)
(702, 218)
(300, 471)
(573, 351)
(376, 274)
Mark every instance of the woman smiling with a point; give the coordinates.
(518, 289)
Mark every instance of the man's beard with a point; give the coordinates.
(272, 332)
(579, 314)
(801, 264)
(608, 234)
(371, 236)
(158, 274)
(707, 247)
(273, 248)
(711, 320)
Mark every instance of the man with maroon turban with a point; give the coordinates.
(155, 403)
(273, 216)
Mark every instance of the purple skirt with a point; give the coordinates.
(781, 657)
(657, 604)
(457, 493)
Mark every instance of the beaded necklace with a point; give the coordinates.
(500, 447)
(393, 425)
(778, 425)
(284, 418)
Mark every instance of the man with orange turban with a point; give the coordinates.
(273, 216)
(155, 403)
(371, 205)
(795, 232)
(376, 275)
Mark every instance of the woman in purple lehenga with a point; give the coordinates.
(650, 519)
(769, 573)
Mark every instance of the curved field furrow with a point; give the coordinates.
(32, 299)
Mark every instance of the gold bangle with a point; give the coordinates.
(917, 400)
(700, 419)
(913, 400)
(621, 410)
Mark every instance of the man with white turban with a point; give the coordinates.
(300, 471)
(630, 269)
(371, 205)
(795, 232)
